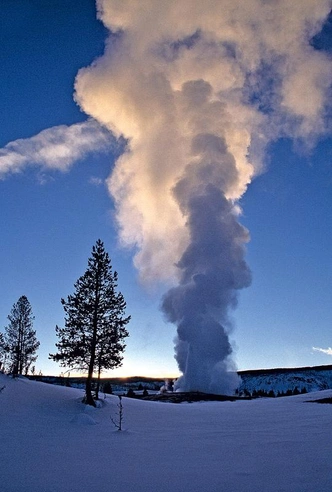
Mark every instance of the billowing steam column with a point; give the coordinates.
(212, 270)
(199, 89)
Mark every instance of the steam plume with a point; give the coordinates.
(327, 351)
(199, 89)
(54, 148)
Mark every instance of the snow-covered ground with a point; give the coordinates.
(282, 380)
(51, 442)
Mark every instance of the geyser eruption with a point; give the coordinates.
(199, 89)
(212, 269)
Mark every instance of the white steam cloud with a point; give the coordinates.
(55, 148)
(199, 89)
(327, 351)
(243, 71)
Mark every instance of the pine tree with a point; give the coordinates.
(93, 337)
(20, 342)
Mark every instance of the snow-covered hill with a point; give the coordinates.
(279, 382)
(51, 442)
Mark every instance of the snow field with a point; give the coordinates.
(51, 442)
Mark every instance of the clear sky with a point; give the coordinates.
(54, 206)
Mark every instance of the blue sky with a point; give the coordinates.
(51, 218)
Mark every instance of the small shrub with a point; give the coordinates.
(119, 416)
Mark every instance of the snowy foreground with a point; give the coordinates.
(51, 442)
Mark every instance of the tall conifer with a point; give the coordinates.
(20, 342)
(93, 337)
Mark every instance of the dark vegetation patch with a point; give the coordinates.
(323, 400)
(190, 397)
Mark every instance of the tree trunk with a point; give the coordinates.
(98, 383)
(88, 400)
(15, 367)
(19, 348)
(88, 387)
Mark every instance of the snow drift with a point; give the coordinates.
(265, 445)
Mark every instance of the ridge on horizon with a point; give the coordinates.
(321, 367)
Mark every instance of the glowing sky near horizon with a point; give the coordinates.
(56, 162)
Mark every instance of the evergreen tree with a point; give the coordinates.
(107, 388)
(20, 342)
(93, 337)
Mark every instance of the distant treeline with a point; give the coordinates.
(108, 385)
(271, 393)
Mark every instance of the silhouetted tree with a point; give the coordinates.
(93, 337)
(20, 342)
(107, 388)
